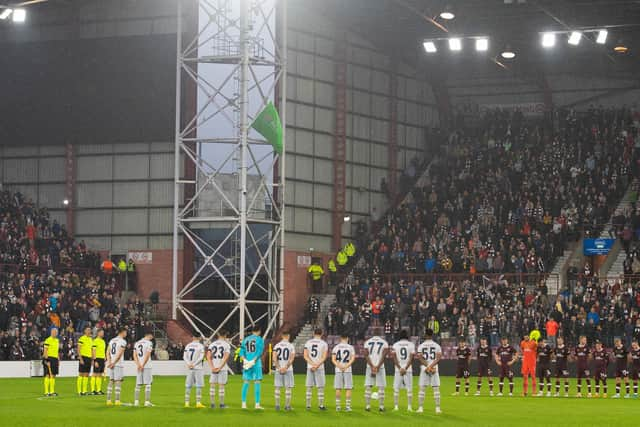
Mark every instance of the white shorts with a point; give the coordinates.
(220, 377)
(379, 379)
(403, 381)
(343, 380)
(116, 373)
(316, 379)
(195, 377)
(283, 380)
(145, 377)
(429, 380)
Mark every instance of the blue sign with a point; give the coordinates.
(597, 246)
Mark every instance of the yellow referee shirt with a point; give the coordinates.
(52, 345)
(86, 344)
(100, 346)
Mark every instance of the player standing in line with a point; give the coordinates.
(251, 355)
(85, 354)
(562, 355)
(284, 354)
(342, 356)
(484, 361)
(403, 354)
(506, 356)
(142, 350)
(429, 355)
(115, 363)
(635, 366)
(375, 352)
(51, 362)
(600, 364)
(529, 349)
(218, 355)
(582, 355)
(620, 354)
(193, 356)
(98, 354)
(544, 367)
(315, 353)
(463, 354)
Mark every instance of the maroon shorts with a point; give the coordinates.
(462, 372)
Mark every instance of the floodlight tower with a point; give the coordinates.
(236, 64)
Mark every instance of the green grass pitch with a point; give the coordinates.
(22, 404)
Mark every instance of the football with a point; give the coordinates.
(374, 395)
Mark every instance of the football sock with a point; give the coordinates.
(46, 384)
(337, 403)
(466, 387)
(510, 386)
(588, 386)
(436, 396)
(245, 391)
(367, 396)
(420, 396)
(85, 384)
(321, 397)
(533, 385)
(256, 391)
(109, 387)
(381, 397)
(491, 385)
(52, 385)
(187, 394)
(525, 385)
(396, 395)
(198, 394)
(478, 385)
(117, 387)
(627, 387)
(147, 393)
(93, 384)
(136, 393)
(308, 394)
(287, 397)
(457, 386)
(500, 386)
(635, 387)
(212, 394)
(347, 403)
(79, 385)
(277, 395)
(221, 394)
(409, 397)
(99, 384)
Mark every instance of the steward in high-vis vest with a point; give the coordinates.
(331, 265)
(341, 258)
(350, 249)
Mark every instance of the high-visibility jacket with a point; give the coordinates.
(341, 257)
(122, 265)
(350, 249)
(316, 271)
(332, 266)
(131, 267)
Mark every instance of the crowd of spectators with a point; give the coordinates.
(499, 207)
(48, 279)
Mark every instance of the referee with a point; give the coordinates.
(98, 352)
(85, 354)
(50, 362)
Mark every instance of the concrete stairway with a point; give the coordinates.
(616, 268)
(306, 333)
(554, 280)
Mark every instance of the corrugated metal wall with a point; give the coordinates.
(124, 192)
(311, 125)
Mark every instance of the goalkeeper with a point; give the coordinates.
(251, 356)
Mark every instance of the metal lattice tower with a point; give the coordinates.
(236, 63)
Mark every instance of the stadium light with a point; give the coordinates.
(5, 13)
(602, 37)
(447, 13)
(65, 202)
(620, 47)
(430, 47)
(455, 44)
(482, 45)
(347, 218)
(508, 53)
(548, 40)
(19, 15)
(574, 38)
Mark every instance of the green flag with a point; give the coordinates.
(268, 125)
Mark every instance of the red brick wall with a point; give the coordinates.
(297, 287)
(157, 275)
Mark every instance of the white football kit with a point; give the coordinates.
(194, 355)
(316, 350)
(219, 349)
(284, 351)
(376, 346)
(404, 351)
(344, 354)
